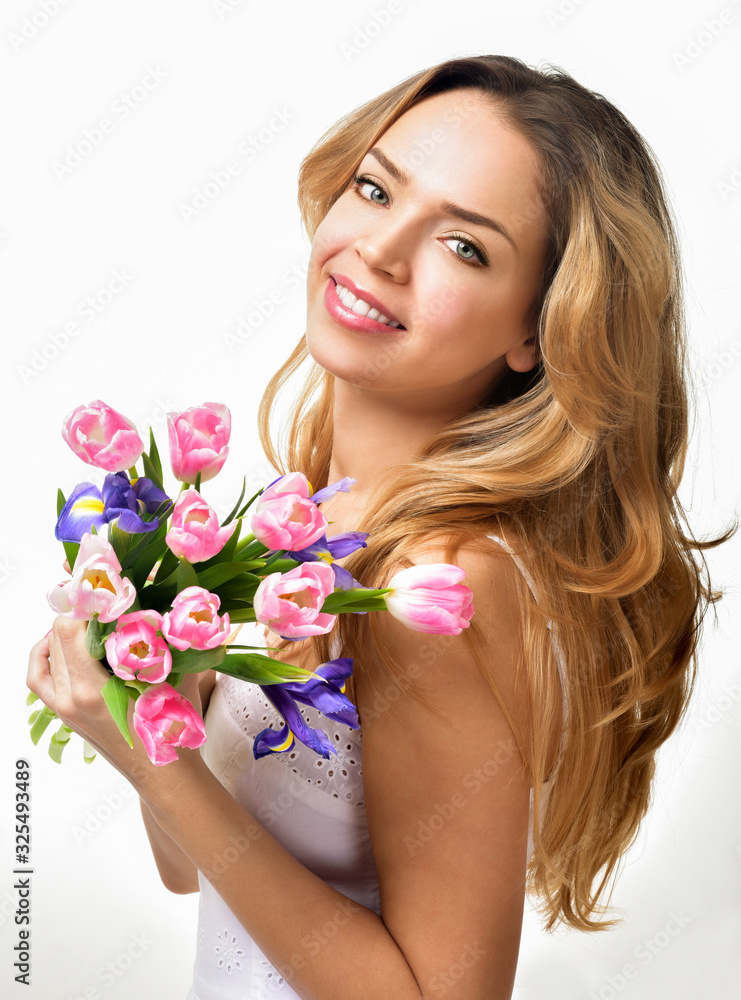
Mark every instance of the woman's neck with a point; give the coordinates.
(374, 432)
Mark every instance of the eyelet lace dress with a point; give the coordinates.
(311, 805)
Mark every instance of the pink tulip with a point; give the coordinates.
(102, 436)
(294, 482)
(430, 598)
(290, 603)
(285, 517)
(96, 586)
(195, 534)
(199, 439)
(164, 719)
(193, 620)
(135, 651)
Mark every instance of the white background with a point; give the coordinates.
(160, 344)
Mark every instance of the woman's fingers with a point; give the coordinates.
(38, 676)
(78, 677)
(64, 675)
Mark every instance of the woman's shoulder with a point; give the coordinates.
(482, 541)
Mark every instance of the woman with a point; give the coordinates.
(518, 405)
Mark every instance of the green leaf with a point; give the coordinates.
(187, 576)
(159, 598)
(154, 457)
(239, 645)
(70, 548)
(59, 741)
(210, 578)
(146, 551)
(261, 669)
(150, 471)
(226, 554)
(120, 540)
(277, 565)
(31, 697)
(231, 604)
(139, 686)
(167, 567)
(241, 588)
(116, 696)
(143, 567)
(94, 640)
(193, 661)
(237, 616)
(250, 502)
(152, 462)
(42, 719)
(354, 600)
(233, 513)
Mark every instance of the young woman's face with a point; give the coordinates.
(459, 287)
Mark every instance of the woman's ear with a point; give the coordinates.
(523, 357)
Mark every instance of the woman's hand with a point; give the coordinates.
(69, 681)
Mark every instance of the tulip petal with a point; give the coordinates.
(430, 575)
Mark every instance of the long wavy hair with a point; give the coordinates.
(579, 459)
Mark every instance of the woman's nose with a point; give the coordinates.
(386, 246)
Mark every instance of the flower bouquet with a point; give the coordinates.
(165, 586)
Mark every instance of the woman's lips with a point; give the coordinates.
(339, 311)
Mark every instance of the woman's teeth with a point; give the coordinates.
(362, 308)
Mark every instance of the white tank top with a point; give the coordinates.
(311, 805)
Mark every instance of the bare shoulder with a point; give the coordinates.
(493, 578)
(446, 792)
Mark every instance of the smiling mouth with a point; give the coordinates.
(362, 308)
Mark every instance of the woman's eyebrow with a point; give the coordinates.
(449, 207)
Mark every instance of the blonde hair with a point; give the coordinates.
(579, 459)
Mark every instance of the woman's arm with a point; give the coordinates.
(451, 908)
(177, 871)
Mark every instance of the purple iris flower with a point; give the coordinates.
(331, 549)
(322, 692)
(119, 500)
(341, 486)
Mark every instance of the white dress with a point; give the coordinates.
(313, 806)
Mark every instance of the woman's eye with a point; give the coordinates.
(470, 252)
(365, 182)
